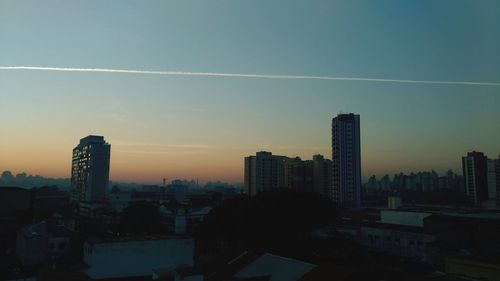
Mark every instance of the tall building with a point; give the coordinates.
(497, 177)
(493, 170)
(90, 169)
(346, 160)
(299, 174)
(474, 167)
(264, 171)
(322, 175)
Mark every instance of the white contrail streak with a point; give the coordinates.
(247, 75)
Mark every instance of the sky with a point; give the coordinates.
(202, 127)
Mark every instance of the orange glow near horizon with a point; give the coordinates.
(210, 86)
(140, 166)
(150, 163)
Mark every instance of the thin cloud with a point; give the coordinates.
(158, 152)
(164, 145)
(249, 75)
(290, 147)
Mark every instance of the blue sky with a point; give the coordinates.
(177, 125)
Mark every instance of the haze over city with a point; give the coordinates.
(201, 127)
(264, 140)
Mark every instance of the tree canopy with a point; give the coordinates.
(269, 220)
(140, 217)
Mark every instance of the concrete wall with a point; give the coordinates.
(400, 243)
(403, 217)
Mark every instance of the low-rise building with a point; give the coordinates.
(276, 267)
(41, 242)
(135, 257)
(88, 209)
(400, 217)
(406, 242)
(49, 197)
(477, 232)
(182, 220)
(252, 266)
(119, 199)
(398, 240)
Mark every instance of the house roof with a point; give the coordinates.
(328, 271)
(123, 239)
(279, 268)
(44, 229)
(224, 267)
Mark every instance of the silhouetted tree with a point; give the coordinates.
(140, 217)
(271, 220)
(91, 228)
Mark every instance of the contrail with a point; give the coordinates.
(248, 75)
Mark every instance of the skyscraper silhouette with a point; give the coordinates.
(90, 169)
(322, 175)
(346, 160)
(474, 167)
(264, 171)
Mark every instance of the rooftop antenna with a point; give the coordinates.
(163, 189)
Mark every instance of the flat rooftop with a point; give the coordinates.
(121, 239)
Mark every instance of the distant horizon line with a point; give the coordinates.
(146, 182)
(248, 75)
(124, 182)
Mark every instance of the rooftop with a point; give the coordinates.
(44, 229)
(279, 268)
(122, 239)
(92, 139)
(396, 227)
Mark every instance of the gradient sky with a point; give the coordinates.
(202, 127)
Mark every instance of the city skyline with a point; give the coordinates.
(175, 126)
(365, 177)
(232, 140)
